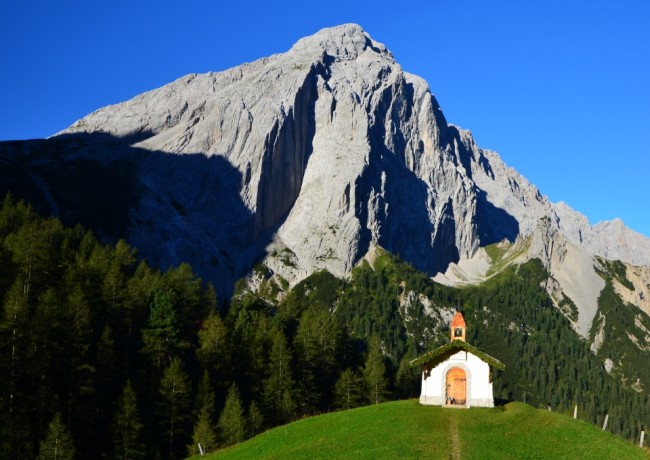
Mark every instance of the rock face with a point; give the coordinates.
(304, 160)
(335, 148)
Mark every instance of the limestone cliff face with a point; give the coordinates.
(337, 149)
(306, 160)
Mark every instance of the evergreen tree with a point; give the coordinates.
(205, 398)
(81, 385)
(107, 360)
(15, 330)
(278, 387)
(162, 335)
(127, 428)
(348, 390)
(214, 351)
(255, 419)
(105, 387)
(114, 284)
(46, 354)
(232, 423)
(406, 379)
(173, 406)
(374, 372)
(203, 434)
(315, 346)
(58, 444)
(192, 302)
(204, 407)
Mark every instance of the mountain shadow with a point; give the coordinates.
(393, 201)
(493, 224)
(173, 208)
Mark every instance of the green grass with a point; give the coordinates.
(503, 254)
(520, 431)
(405, 429)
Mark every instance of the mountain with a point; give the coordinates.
(308, 160)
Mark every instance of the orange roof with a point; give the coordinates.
(458, 320)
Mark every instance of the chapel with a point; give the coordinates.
(457, 374)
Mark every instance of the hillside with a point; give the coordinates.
(405, 429)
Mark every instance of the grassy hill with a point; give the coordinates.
(405, 429)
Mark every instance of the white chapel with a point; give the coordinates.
(457, 374)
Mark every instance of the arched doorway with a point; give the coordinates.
(456, 387)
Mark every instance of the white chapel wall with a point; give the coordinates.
(479, 387)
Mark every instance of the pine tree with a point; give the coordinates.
(348, 390)
(162, 336)
(127, 428)
(204, 406)
(278, 387)
(214, 351)
(58, 444)
(105, 357)
(81, 385)
(255, 419)
(374, 372)
(203, 434)
(232, 423)
(114, 280)
(173, 406)
(315, 348)
(205, 398)
(15, 328)
(406, 380)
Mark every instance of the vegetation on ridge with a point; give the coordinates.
(625, 339)
(405, 429)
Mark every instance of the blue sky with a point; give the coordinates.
(559, 88)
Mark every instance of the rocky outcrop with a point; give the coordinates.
(609, 239)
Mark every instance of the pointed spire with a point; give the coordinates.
(458, 327)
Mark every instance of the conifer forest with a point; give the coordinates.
(103, 356)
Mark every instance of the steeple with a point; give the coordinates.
(458, 327)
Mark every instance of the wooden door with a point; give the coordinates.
(456, 387)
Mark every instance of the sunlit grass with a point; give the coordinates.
(405, 429)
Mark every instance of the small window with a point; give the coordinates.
(458, 332)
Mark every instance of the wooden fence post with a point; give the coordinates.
(605, 424)
(641, 442)
(201, 449)
(575, 412)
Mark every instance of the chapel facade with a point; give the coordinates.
(457, 374)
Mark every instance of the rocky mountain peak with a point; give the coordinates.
(344, 42)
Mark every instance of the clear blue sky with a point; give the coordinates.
(561, 89)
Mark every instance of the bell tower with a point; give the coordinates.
(458, 327)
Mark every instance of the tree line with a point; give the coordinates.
(103, 356)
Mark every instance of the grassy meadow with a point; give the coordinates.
(405, 429)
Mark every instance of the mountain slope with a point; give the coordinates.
(306, 160)
(405, 429)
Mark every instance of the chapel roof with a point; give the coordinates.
(458, 320)
(440, 354)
